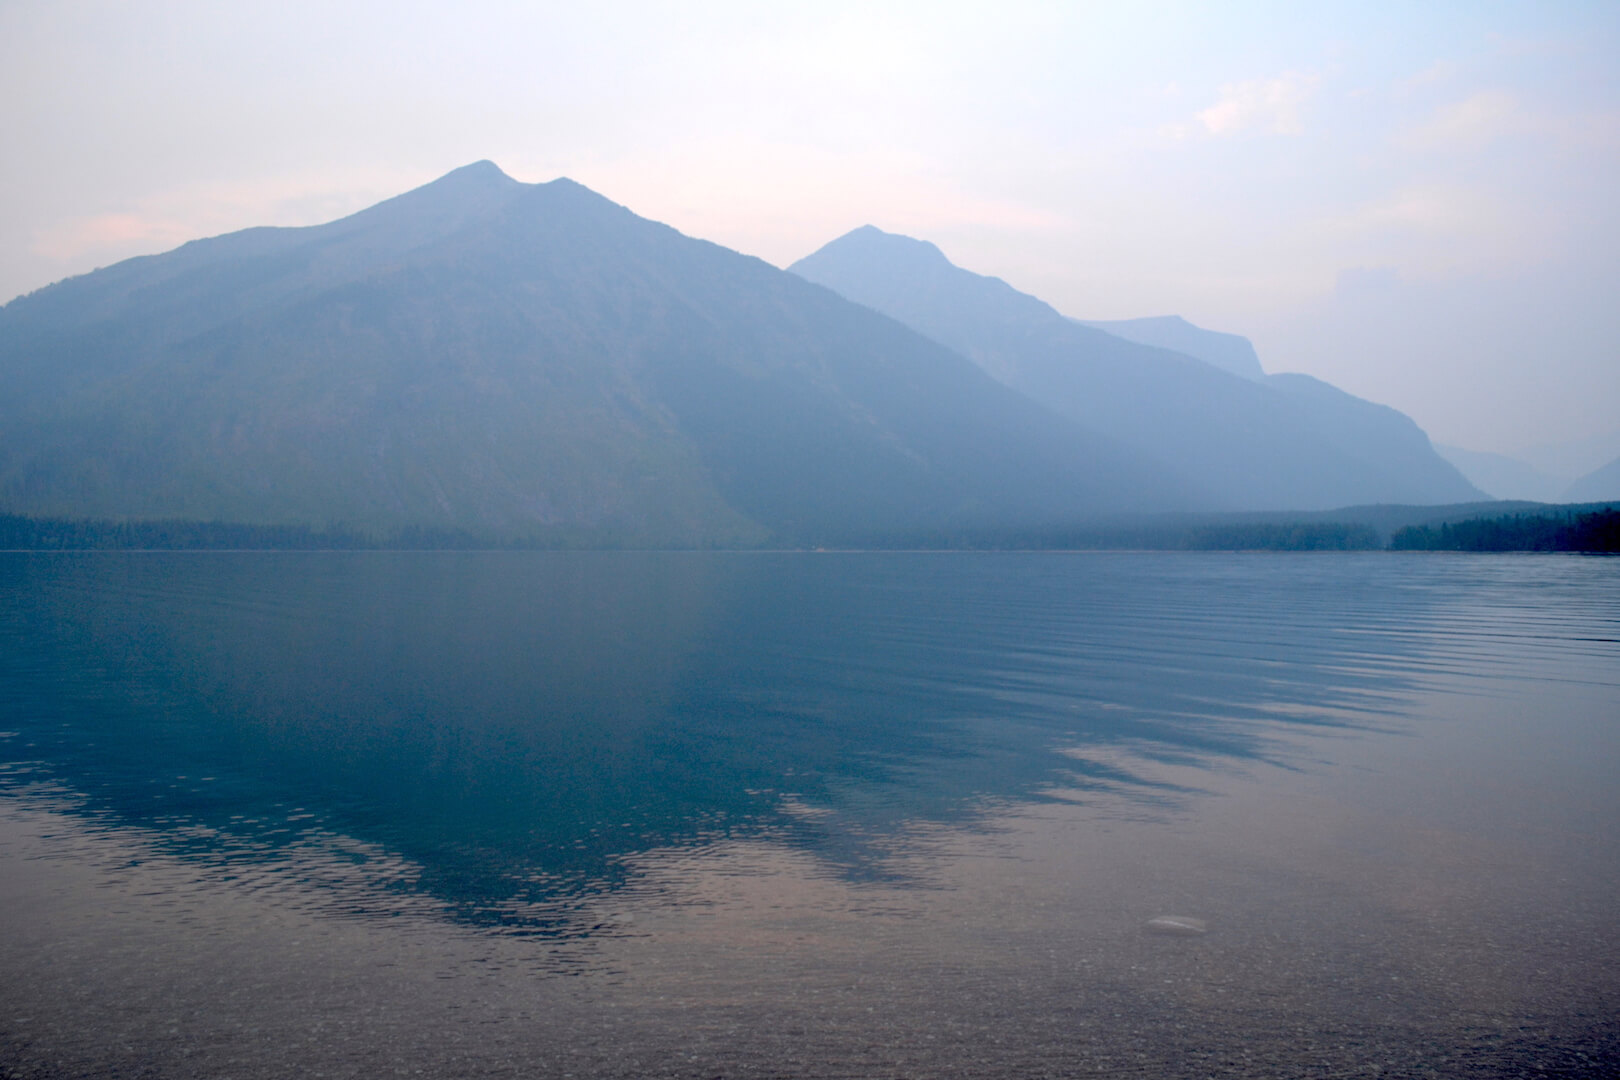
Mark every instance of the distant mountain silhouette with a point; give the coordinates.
(1598, 485)
(1229, 352)
(521, 361)
(1566, 460)
(1502, 476)
(1288, 442)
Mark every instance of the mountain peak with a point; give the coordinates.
(903, 277)
(1161, 385)
(565, 186)
(438, 206)
(471, 184)
(869, 240)
(480, 176)
(483, 167)
(522, 360)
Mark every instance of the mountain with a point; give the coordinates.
(1376, 435)
(1504, 477)
(1286, 443)
(1602, 483)
(1384, 442)
(524, 362)
(1229, 352)
(1551, 472)
(1568, 459)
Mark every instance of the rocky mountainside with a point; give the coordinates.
(1229, 352)
(522, 362)
(1283, 442)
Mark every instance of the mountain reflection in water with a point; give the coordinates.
(505, 733)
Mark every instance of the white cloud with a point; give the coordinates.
(1441, 71)
(1444, 210)
(1269, 104)
(1471, 123)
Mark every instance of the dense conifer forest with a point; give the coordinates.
(1571, 530)
(1599, 531)
(19, 532)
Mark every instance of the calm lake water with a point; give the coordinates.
(626, 814)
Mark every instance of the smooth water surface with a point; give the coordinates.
(809, 814)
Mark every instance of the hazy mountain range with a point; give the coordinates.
(535, 361)
(1601, 483)
(1584, 470)
(1229, 352)
(1243, 442)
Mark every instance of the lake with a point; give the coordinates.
(809, 814)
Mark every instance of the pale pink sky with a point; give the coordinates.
(1417, 207)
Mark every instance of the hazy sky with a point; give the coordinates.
(1416, 202)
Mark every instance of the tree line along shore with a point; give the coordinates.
(1550, 530)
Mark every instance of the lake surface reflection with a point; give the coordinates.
(809, 814)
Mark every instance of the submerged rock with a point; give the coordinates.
(1177, 926)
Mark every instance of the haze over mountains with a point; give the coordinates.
(1229, 352)
(535, 362)
(1601, 483)
(1244, 441)
(1579, 470)
(1501, 476)
(521, 361)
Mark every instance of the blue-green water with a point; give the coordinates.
(569, 761)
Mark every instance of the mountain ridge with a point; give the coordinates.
(1247, 444)
(1602, 482)
(1232, 353)
(517, 359)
